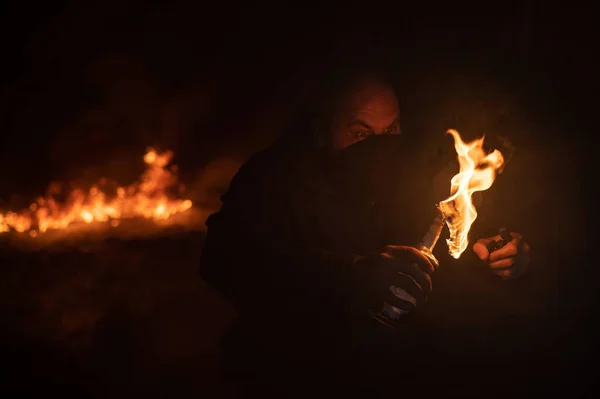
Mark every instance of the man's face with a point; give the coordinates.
(372, 108)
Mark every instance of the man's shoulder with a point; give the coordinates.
(268, 169)
(274, 161)
(265, 163)
(265, 158)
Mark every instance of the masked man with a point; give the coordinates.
(309, 240)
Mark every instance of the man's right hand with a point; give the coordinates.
(398, 275)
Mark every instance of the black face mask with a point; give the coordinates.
(387, 174)
(376, 168)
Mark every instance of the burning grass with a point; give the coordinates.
(155, 196)
(100, 286)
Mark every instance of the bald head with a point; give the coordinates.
(367, 107)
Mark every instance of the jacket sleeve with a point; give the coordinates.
(509, 300)
(251, 255)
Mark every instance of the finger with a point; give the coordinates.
(503, 263)
(506, 251)
(403, 295)
(486, 240)
(480, 249)
(409, 285)
(504, 273)
(412, 254)
(414, 272)
(393, 300)
(409, 254)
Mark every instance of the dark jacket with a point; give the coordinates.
(281, 249)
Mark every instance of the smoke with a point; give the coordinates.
(212, 182)
(133, 110)
(112, 297)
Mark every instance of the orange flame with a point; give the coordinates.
(477, 173)
(147, 198)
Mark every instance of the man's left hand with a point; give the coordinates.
(508, 262)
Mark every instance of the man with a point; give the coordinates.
(309, 240)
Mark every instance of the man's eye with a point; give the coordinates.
(364, 133)
(392, 129)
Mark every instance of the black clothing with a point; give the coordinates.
(281, 249)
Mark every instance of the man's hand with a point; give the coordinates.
(398, 275)
(508, 262)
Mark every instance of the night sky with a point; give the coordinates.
(87, 86)
(81, 81)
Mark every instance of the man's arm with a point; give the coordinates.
(251, 253)
(256, 255)
(509, 283)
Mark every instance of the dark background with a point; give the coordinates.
(85, 88)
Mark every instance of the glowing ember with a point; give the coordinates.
(105, 201)
(477, 173)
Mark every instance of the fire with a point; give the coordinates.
(477, 173)
(105, 202)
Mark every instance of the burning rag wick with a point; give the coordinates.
(477, 172)
(148, 198)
